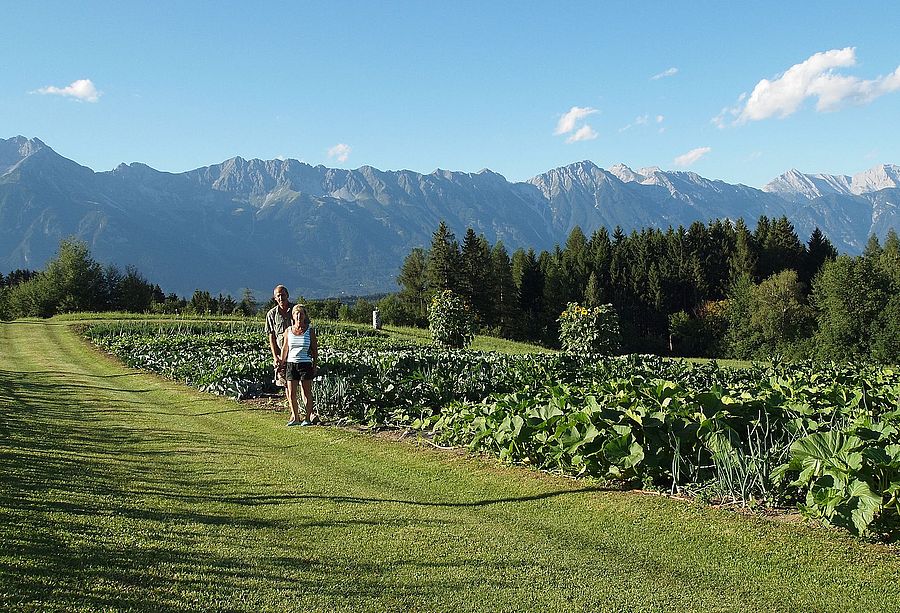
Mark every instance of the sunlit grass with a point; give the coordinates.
(422, 336)
(725, 363)
(119, 490)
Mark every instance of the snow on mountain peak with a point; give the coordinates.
(880, 177)
(797, 185)
(625, 174)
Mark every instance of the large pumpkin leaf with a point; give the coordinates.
(866, 504)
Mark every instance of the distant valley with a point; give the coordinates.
(325, 231)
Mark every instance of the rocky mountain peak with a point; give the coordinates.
(877, 178)
(797, 186)
(626, 174)
(14, 150)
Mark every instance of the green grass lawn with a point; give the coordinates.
(123, 491)
(422, 336)
(725, 363)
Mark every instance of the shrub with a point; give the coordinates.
(702, 335)
(451, 320)
(592, 330)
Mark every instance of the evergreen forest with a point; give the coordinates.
(717, 290)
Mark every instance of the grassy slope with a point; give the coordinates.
(120, 490)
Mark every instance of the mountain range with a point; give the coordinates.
(327, 231)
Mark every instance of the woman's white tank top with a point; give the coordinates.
(298, 346)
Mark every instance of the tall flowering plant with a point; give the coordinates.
(589, 330)
(451, 320)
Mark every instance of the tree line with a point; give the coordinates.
(713, 290)
(716, 289)
(74, 281)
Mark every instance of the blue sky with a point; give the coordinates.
(517, 87)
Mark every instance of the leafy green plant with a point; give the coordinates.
(848, 478)
(451, 320)
(589, 330)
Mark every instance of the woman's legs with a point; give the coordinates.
(291, 388)
(306, 393)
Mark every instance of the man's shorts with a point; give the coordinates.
(299, 371)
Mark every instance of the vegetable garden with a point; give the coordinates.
(822, 437)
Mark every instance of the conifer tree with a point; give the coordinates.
(696, 239)
(414, 285)
(504, 293)
(618, 273)
(873, 248)
(554, 295)
(475, 280)
(592, 295)
(744, 259)
(717, 258)
(518, 263)
(247, 306)
(133, 293)
(818, 250)
(782, 247)
(575, 265)
(600, 255)
(531, 294)
(443, 269)
(764, 265)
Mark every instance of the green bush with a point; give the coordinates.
(591, 330)
(451, 320)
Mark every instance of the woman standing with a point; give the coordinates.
(299, 355)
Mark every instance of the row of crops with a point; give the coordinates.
(822, 437)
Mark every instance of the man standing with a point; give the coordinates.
(278, 319)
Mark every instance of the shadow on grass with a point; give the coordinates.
(275, 499)
(94, 515)
(70, 373)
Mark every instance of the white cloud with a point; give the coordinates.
(567, 122)
(570, 120)
(340, 152)
(669, 72)
(82, 89)
(721, 120)
(692, 156)
(585, 132)
(642, 120)
(814, 77)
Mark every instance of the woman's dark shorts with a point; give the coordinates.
(299, 371)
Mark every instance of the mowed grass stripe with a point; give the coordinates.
(121, 490)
